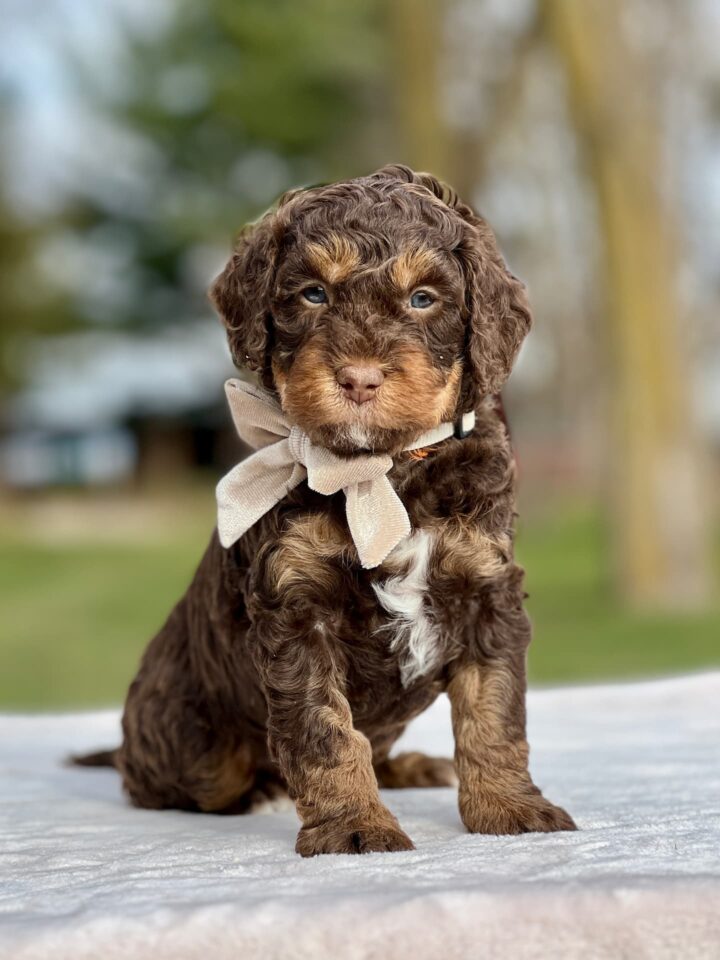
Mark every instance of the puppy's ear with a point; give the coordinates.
(241, 293)
(498, 313)
(499, 316)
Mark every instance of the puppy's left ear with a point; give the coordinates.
(499, 316)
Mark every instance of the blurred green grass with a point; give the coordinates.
(581, 631)
(76, 616)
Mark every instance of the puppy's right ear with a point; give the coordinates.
(241, 294)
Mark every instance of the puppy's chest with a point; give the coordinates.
(410, 625)
(421, 591)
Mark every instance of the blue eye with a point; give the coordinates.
(421, 300)
(315, 294)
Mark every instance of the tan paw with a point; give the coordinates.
(344, 837)
(496, 814)
(416, 770)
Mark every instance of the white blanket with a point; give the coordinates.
(84, 875)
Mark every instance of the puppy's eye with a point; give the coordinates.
(421, 300)
(315, 294)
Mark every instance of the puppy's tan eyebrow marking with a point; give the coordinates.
(411, 266)
(334, 259)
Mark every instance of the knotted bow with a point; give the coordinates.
(285, 457)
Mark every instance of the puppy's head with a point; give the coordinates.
(376, 308)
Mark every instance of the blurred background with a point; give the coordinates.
(138, 137)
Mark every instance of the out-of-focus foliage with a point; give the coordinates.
(27, 306)
(222, 110)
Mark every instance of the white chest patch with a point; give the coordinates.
(413, 634)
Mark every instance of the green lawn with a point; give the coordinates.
(75, 618)
(581, 631)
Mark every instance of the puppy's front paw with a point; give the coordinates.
(352, 837)
(484, 812)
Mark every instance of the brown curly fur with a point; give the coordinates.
(280, 667)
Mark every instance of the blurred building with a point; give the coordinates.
(106, 408)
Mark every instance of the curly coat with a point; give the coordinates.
(286, 666)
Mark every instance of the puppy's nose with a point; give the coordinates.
(360, 381)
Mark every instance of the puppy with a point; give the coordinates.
(376, 313)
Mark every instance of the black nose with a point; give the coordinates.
(360, 381)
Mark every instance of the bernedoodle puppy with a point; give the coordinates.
(363, 561)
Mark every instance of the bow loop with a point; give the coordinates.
(256, 414)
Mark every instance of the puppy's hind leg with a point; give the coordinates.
(415, 770)
(175, 755)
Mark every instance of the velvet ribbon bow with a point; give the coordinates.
(285, 457)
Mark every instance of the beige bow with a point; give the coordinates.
(285, 457)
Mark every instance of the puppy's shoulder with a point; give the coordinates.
(462, 479)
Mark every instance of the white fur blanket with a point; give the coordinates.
(83, 875)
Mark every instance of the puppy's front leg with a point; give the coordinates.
(487, 693)
(326, 762)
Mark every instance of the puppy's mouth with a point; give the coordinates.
(361, 405)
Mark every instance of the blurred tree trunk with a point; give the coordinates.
(416, 34)
(427, 141)
(658, 498)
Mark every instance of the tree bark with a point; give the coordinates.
(417, 48)
(659, 506)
